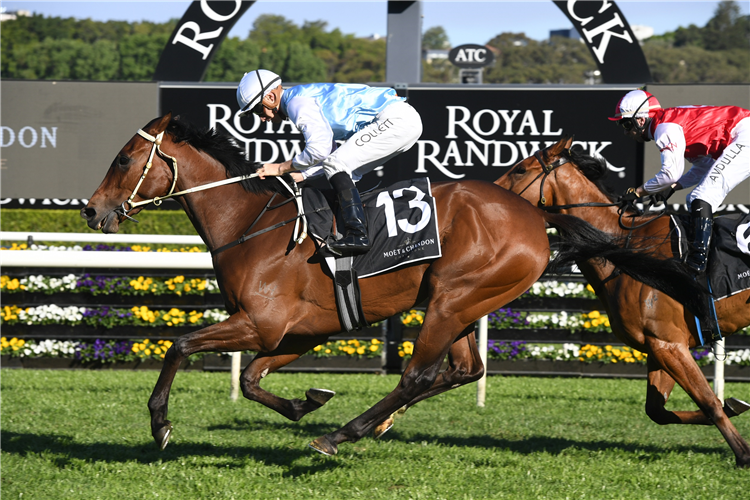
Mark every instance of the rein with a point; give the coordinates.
(295, 191)
(541, 158)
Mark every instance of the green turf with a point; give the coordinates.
(85, 435)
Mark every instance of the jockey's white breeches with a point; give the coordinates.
(394, 130)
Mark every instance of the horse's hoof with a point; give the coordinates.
(384, 427)
(736, 406)
(319, 396)
(163, 434)
(324, 446)
(401, 410)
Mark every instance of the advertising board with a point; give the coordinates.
(474, 132)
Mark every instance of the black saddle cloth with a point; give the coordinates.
(401, 224)
(729, 256)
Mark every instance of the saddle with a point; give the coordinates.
(402, 228)
(728, 258)
(728, 270)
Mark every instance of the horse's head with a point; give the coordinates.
(126, 181)
(529, 178)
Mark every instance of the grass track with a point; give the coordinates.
(85, 435)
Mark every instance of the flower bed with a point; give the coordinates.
(509, 358)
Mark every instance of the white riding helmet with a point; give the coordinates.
(635, 104)
(254, 86)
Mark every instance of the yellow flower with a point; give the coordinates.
(317, 348)
(590, 288)
(361, 350)
(594, 314)
(373, 347)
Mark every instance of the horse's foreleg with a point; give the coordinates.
(676, 361)
(430, 349)
(291, 348)
(464, 366)
(227, 336)
(660, 386)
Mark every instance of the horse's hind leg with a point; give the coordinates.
(432, 345)
(291, 348)
(660, 386)
(230, 335)
(676, 360)
(464, 366)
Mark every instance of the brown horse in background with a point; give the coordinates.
(281, 297)
(640, 316)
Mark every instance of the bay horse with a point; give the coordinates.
(281, 299)
(565, 180)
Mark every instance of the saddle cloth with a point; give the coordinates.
(401, 224)
(728, 257)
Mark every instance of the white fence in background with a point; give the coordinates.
(104, 259)
(194, 260)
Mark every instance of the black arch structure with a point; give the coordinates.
(196, 39)
(206, 23)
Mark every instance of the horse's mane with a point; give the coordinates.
(225, 150)
(594, 168)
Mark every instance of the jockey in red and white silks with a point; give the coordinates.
(714, 139)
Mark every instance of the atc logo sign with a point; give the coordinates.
(471, 56)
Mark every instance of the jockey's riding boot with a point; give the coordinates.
(355, 240)
(701, 221)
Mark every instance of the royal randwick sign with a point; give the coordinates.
(468, 134)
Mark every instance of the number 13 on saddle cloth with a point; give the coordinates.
(402, 225)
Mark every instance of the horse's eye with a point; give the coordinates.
(123, 160)
(520, 169)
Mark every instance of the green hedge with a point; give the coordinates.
(70, 221)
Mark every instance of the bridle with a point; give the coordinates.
(547, 168)
(157, 200)
(172, 161)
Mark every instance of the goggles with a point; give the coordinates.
(627, 124)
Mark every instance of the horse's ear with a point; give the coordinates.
(163, 122)
(567, 141)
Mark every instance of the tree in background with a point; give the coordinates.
(523, 60)
(437, 70)
(716, 53)
(42, 48)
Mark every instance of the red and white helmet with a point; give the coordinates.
(635, 104)
(254, 86)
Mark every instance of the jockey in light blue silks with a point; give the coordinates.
(374, 123)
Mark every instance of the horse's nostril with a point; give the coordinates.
(88, 212)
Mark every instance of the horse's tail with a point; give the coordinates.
(580, 241)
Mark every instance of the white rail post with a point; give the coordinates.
(720, 354)
(234, 385)
(482, 345)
